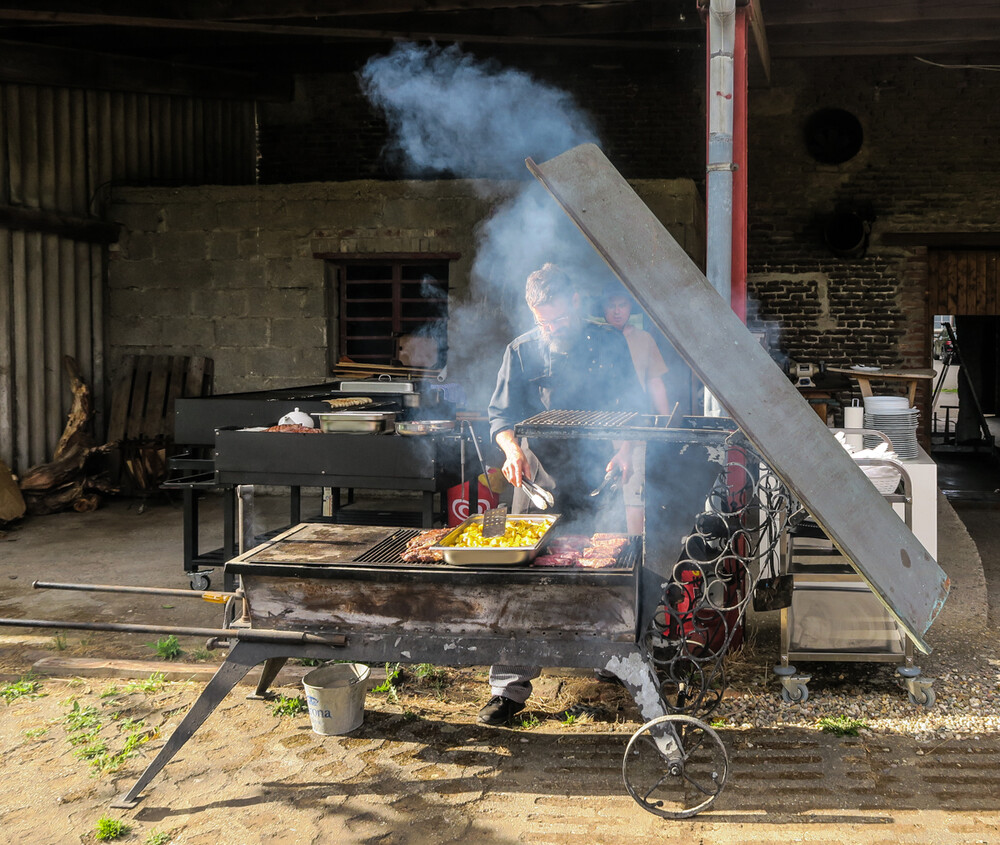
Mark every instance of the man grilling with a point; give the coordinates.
(565, 362)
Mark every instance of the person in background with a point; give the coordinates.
(570, 363)
(650, 368)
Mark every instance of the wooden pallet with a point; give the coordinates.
(141, 419)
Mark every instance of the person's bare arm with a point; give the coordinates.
(515, 465)
(657, 391)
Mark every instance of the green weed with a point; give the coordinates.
(388, 686)
(81, 718)
(167, 648)
(35, 733)
(109, 828)
(154, 683)
(157, 837)
(25, 687)
(527, 722)
(201, 654)
(61, 642)
(720, 722)
(410, 716)
(284, 706)
(308, 661)
(569, 719)
(841, 725)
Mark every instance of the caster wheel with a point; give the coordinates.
(925, 698)
(800, 695)
(200, 581)
(675, 766)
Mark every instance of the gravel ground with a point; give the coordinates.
(965, 672)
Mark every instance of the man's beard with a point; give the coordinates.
(563, 343)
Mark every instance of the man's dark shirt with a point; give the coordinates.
(595, 375)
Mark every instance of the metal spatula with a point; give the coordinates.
(495, 521)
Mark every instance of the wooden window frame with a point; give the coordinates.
(391, 324)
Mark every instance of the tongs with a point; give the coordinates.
(540, 497)
(610, 481)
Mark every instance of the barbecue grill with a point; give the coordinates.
(221, 454)
(717, 509)
(335, 591)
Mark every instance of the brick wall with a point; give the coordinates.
(930, 162)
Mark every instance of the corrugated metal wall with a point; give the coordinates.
(59, 149)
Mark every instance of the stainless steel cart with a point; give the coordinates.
(833, 615)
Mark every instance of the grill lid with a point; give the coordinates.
(784, 428)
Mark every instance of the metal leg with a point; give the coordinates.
(295, 505)
(190, 529)
(229, 544)
(240, 660)
(638, 677)
(267, 675)
(427, 519)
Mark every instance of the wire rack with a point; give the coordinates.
(731, 554)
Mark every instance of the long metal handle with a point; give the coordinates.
(208, 595)
(247, 634)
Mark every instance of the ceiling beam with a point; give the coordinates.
(321, 32)
(34, 64)
(804, 12)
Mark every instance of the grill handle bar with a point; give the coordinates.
(244, 634)
(208, 595)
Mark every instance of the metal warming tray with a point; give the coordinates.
(380, 385)
(356, 422)
(418, 427)
(488, 556)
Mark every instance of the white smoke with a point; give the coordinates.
(450, 113)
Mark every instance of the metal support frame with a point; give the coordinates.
(625, 660)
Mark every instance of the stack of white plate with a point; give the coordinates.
(893, 416)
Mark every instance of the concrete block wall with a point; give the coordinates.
(230, 272)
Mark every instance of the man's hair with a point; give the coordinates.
(547, 284)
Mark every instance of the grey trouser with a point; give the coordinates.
(513, 682)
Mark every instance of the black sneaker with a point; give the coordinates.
(499, 711)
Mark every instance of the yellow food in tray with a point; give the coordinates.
(518, 534)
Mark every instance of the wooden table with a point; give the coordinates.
(865, 377)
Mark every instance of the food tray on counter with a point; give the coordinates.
(494, 555)
(356, 422)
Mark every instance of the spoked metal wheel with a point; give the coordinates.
(675, 766)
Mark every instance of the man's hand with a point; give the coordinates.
(622, 459)
(515, 467)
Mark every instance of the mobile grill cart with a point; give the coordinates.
(330, 591)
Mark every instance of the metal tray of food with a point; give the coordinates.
(412, 427)
(379, 385)
(493, 555)
(356, 422)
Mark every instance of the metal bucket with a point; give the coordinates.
(335, 694)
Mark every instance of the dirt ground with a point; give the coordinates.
(420, 769)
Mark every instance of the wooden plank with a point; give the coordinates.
(714, 342)
(140, 393)
(152, 417)
(962, 282)
(950, 274)
(121, 399)
(992, 299)
(980, 282)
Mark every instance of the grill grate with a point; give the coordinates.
(388, 552)
(581, 418)
(390, 549)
